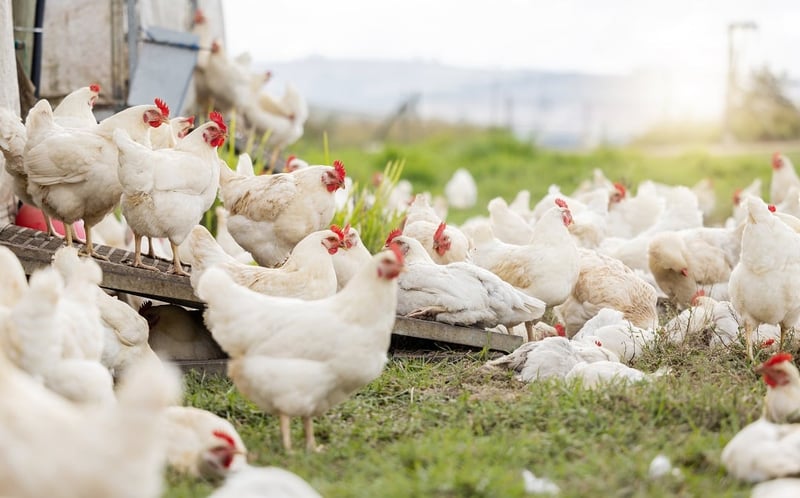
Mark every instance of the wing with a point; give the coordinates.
(260, 198)
(67, 157)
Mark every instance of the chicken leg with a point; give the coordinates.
(89, 248)
(748, 339)
(177, 269)
(137, 254)
(286, 435)
(311, 443)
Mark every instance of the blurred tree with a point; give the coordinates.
(763, 111)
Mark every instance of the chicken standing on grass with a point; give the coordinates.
(72, 173)
(299, 358)
(167, 191)
(269, 214)
(765, 283)
(782, 402)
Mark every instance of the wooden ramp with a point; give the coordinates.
(35, 250)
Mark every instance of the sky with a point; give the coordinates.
(594, 36)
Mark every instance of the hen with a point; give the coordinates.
(202, 444)
(75, 110)
(604, 282)
(226, 240)
(350, 257)
(764, 286)
(166, 137)
(72, 173)
(121, 446)
(166, 192)
(787, 487)
(763, 450)
(782, 402)
(265, 482)
(461, 190)
(458, 293)
(284, 128)
(445, 244)
(507, 225)
(610, 329)
(307, 274)
(546, 268)
(269, 214)
(684, 261)
(784, 177)
(126, 335)
(550, 357)
(299, 358)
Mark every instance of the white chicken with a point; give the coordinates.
(603, 372)
(165, 137)
(308, 273)
(284, 359)
(126, 335)
(168, 201)
(739, 212)
(764, 284)
(202, 444)
(284, 129)
(707, 321)
(461, 190)
(72, 173)
(684, 261)
(550, 357)
(787, 487)
(763, 450)
(458, 293)
(610, 329)
(784, 177)
(269, 214)
(782, 402)
(121, 446)
(12, 144)
(265, 482)
(444, 243)
(75, 110)
(350, 257)
(507, 225)
(546, 268)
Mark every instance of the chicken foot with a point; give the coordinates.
(88, 249)
(177, 268)
(427, 311)
(137, 254)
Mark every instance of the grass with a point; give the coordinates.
(441, 425)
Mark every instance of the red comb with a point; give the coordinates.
(393, 235)
(737, 196)
(290, 159)
(771, 208)
(561, 203)
(769, 342)
(94, 87)
(190, 119)
(620, 188)
(778, 358)
(338, 231)
(439, 231)
(560, 330)
(699, 293)
(217, 118)
(339, 167)
(599, 343)
(225, 437)
(395, 248)
(163, 107)
(346, 229)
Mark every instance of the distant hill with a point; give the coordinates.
(558, 109)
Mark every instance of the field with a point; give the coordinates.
(436, 423)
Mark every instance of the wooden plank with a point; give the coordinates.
(35, 250)
(467, 336)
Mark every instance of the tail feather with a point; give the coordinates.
(206, 252)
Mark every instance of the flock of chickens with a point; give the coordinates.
(278, 270)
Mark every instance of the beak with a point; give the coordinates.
(760, 369)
